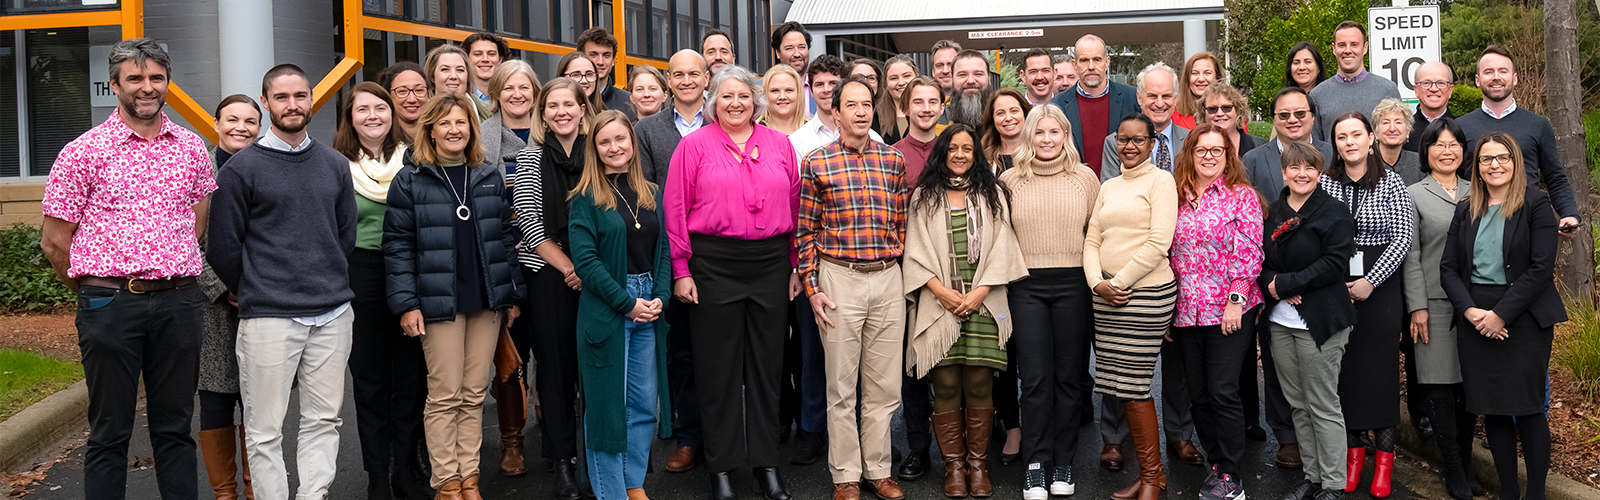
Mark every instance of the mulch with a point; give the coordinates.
(50, 334)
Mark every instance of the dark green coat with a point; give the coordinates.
(600, 256)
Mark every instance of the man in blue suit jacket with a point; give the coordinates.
(1096, 97)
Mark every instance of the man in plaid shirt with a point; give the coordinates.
(850, 236)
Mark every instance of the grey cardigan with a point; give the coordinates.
(658, 138)
(1434, 209)
(500, 144)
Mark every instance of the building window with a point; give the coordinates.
(638, 34)
(58, 92)
(14, 7)
(10, 157)
(684, 24)
(660, 28)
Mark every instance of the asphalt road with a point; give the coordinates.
(1261, 478)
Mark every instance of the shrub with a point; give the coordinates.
(1466, 99)
(1591, 139)
(26, 279)
(1267, 29)
(1578, 347)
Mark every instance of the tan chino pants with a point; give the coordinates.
(864, 354)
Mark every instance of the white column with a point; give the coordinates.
(819, 44)
(246, 47)
(1194, 37)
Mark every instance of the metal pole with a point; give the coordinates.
(247, 49)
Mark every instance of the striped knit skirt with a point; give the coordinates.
(1127, 340)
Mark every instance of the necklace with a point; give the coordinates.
(625, 203)
(462, 212)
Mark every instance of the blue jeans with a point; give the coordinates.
(611, 474)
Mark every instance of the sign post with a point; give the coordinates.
(1403, 39)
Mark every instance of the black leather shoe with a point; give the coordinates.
(409, 485)
(1425, 427)
(1255, 433)
(913, 467)
(566, 481)
(769, 484)
(1304, 490)
(808, 448)
(722, 487)
(1009, 458)
(378, 487)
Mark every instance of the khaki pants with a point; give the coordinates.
(460, 357)
(273, 354)
(863, 349)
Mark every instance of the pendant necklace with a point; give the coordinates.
(625, 203)
(462, 212)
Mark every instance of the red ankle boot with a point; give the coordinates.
(1381, 472)
(1353, 464)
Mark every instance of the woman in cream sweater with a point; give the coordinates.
(1125, 263)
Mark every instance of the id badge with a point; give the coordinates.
(1357, 264)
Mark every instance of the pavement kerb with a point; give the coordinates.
(1557, 486)
(26, 434)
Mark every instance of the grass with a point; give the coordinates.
(26, 378)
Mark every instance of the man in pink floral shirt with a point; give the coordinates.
(121, 211)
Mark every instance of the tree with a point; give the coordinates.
(1261, 32)
(1575, 257)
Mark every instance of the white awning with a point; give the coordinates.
(890, 14)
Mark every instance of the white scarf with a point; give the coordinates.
(372, 176)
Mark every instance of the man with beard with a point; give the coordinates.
(971, 79)
(943, 55)
(485, 51)
(283, 222)
(1096, 103)
(791, 45)
(1435, 85)
(1497, 77)
(136, 181)
(717, 49)
(1039, 76)
(1066, 73)
(1352, 88)
(923, 101)
(601, 47)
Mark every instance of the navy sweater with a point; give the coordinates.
(282, 228)
(1539, 155)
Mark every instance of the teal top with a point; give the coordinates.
(369, 223)
(1488, 254)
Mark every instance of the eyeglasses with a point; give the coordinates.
(1212, 152)
(1138, 141)
(1432, 84)
(1211, 110)
(1502, 158)
(584, 76)
(1298, 114)
(403, 93)
(1445, 145)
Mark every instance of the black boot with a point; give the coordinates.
(913, 467)
(1443, 411)
(566, 480)
(722, 487)
(769, 484)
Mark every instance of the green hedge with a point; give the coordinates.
(1465, 99)
(26, 279)
(1591, 138)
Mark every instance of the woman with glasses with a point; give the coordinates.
(1125, 262)
(1369, 381)
(579, 68)
(1228, 110)
(1393, 120)
(1438, 366)
(408, 89)
(1497, 269)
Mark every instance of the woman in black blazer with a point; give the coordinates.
(1309, 237)
(1498, 269)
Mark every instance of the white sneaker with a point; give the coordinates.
(1061, 482)
(1033, 488)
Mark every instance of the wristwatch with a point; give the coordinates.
(1236, 298)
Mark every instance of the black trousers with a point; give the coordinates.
(739, 326)
(387, 372)
(1211, 364)
(1052, 316)
(916, 407)
(555, 346)
(680, 376)
(1277, 406)
(122, 335)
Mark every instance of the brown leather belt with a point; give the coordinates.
(136, 285)
(870, 266)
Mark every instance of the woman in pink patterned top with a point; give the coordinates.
(1216, 255)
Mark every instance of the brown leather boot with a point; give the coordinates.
(511, 401)
(450, 490)
(980, 427)
(947, 430)
(469, 489)
(1146, 431)
(217, 447)
(244, 463)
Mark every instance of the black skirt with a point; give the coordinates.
(1504, 377)
(1369, 376)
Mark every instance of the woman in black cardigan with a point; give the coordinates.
(1498, 269)
(1308, 241)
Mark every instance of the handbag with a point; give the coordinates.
(508, 362)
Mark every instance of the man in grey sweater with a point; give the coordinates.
(1352, 88)
(283, 225)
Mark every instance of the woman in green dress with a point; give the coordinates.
(960, 254)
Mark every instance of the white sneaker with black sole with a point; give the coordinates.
(1061, 482)
(1033, 485)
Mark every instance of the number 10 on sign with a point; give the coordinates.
(1401, 40)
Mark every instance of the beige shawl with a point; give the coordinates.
(372, 176)
(928, 255)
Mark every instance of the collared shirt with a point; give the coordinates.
(1500, 116)
(1029, 97)
(1354, 79)
(270, 140)
(852, 206)
(132, 199)
(1216, 250)
(1434, 117)
(710, 191)
(1083, 93)
(1165, 137)
(482, 96)
(811, 102)
(686, 126)
(816, 134)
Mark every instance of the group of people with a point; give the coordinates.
(833, 241)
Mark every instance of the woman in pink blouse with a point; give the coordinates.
(1216, 255)
(731, 197)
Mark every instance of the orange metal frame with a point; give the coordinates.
(130, 15)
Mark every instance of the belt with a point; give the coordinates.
(870, 266)
(136, 285)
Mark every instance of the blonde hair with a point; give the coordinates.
(502, 74)
(800, 117)
(1479, 202)
(570, 85)
(432, 62)
(434, 112)
(1026, 156)
(1241, 106)
(592, 182)
(1392, 105)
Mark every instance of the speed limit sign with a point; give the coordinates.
(1402, 39)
